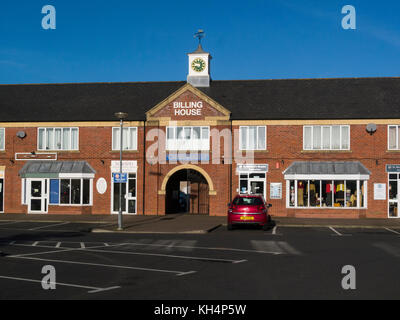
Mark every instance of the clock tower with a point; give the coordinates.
(199, 65)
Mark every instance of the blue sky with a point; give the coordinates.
(121, 40)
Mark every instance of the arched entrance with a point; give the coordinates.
(187, 191)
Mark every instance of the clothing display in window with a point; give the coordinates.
(313, 198)
(300, 194)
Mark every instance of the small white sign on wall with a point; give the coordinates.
(275, 191)
(379, 191)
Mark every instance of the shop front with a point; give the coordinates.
(51, 185)
(127, 186)
(252, 178)
(393, 171)
(2, 175)
(326, 185)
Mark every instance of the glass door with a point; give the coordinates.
(128, 191)
(37, 196)
(131, 195)
(1, 195)
(393, 195)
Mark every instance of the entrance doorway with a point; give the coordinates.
(1, 195)
(128, 191)
(187, 191)
(394, 188)
(38, 195)
(252, 183)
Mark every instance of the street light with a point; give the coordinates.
(121, 116)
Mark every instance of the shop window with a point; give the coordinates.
(129, 138)
(75, 191)
(292, 195)
(252, 138)
(326, 137)
(58, 139)
(327, 194)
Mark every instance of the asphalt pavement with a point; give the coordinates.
(243, 264)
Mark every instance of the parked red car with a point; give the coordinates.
(249, 209)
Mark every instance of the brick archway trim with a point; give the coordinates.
(211, 192)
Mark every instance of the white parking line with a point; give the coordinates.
(179, 273)
(168, 256)
(388, 229)
(335, 231)
(280, 247)
(10, 222)
(28, 256)
(48, 226)
(201, 248)
(53, 251)
(92, 289)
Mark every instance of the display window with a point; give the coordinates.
(326, 193)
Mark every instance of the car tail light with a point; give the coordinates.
(261, 208)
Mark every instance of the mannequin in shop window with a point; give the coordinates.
(313, 196)
(329, 188)
(300, 194)
(339, 196)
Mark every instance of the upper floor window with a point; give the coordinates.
(326, 137)
(253, 138)
(129, 138)
(58, 139)
(188, 138)
(393, 137)
(2, 138)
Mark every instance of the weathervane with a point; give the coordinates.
(200, 35)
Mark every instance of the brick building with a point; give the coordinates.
(313, 147)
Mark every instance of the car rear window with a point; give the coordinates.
(251, 201)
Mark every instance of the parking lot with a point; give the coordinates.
(246, 263)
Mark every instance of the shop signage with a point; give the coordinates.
(188, 157)
(120, 177)
(379, 191)
(192, 108)
(393, 168)
(127, 166)
(252, 168)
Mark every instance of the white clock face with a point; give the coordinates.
(198, 65)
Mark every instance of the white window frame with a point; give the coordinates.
(332, 179)
(62, 137)
(3, 146)
(125, 197)
(178, 144)
(397, 137)
(81, 195)
(247, 139)
(123, 142)
(322, 137)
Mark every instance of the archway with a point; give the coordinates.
(187, 191)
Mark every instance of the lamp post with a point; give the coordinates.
(121, 116)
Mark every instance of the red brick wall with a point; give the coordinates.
(284, 145)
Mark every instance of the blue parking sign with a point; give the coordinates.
(120, 177)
